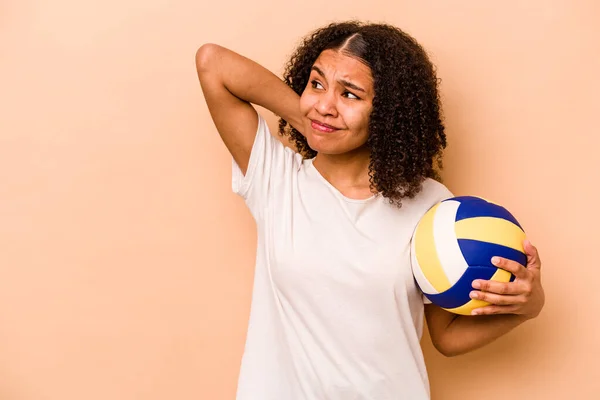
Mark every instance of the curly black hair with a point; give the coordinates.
(406, 132)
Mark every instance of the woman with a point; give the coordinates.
(335, 311)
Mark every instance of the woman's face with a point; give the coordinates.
(336, 104)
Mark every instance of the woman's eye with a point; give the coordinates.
(316, 85)
(351, 95)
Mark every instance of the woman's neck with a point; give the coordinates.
(346, 172)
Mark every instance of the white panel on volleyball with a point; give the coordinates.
(444, 235)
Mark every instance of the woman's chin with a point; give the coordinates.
(331, 146)
(320, 147)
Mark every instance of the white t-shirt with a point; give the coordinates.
(336, 313)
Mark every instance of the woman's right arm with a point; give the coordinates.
(230, 83)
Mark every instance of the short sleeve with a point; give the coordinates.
(268, 167)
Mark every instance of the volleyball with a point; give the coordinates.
(453, 244)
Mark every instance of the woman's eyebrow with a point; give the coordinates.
(342, 81)
(315, 68)
(351, 85)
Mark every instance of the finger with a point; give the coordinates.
(511, 266)
(533, 257)
(510, 288)
(493, 310)
(498, 299)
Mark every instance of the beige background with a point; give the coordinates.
(125, 260)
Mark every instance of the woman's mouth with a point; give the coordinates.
(321, 127)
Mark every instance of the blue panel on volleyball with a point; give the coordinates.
(481, 253)
(458, 294)
(480, 208)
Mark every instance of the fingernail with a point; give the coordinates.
(473, 295)
(475, 312)
(476, 284)
(495, 260)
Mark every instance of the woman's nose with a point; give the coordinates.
(326, 104)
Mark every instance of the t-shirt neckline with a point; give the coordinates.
(333, 188)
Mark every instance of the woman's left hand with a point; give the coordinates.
(523, 296)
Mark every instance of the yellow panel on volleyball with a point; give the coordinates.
(427, 255)
(492, 230)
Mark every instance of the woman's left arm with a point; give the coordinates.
(511, 304)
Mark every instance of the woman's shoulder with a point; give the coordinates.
(412, 209)
(435, 190)
(431, 193)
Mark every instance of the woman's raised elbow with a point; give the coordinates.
(206, 56)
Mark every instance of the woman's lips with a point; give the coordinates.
(321, 127)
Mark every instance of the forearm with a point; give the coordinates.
(469, 333)
(458, 334)
(248, 81)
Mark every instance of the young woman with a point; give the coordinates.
(335, 311)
